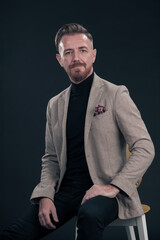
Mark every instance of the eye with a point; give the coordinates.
(68, 52)
(83, 50)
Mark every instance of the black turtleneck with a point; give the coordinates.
(77, 169)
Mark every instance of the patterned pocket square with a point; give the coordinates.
(99, 110)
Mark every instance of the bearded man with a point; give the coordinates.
(84, 171)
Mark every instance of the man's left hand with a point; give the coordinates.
(100, 190)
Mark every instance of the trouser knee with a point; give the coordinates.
(88, 217)
(99, 211)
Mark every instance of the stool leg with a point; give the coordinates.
(76, 232)
(142, 227)
(130, 233)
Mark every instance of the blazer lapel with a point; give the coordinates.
(62, 118)
(95, 95)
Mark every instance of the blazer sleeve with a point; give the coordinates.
(50, 166)
(137, 137)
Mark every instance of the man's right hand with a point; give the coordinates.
(46, 210)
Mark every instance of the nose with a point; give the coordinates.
(76, 56)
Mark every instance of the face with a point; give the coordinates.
(76, 56)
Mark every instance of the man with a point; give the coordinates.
(84, 171)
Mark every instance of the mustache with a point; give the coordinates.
(77, 64)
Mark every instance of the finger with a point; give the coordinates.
(54, 215)
(46, 221)
(85, 198)
(42, 222)
(41, 219)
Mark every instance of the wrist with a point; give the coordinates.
(44, 199)
(115, 187)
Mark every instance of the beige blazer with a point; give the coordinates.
(105, 139)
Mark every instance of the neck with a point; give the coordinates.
(83, 87)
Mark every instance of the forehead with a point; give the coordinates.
(74, 41)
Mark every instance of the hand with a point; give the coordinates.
(46, 209)
(103, 190)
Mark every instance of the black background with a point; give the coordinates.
(126, 35)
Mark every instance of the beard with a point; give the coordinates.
(77, 75)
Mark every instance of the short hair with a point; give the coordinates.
(69, 29)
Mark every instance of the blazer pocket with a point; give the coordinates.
(101, 115)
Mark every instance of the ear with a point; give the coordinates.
(59, 59)
(94, 54)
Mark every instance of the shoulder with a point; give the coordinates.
(54, 100)
(109, 88)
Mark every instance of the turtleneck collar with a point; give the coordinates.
(83, 87)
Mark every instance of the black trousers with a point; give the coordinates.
(92, 216)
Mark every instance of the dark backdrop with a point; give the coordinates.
(126, 35)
